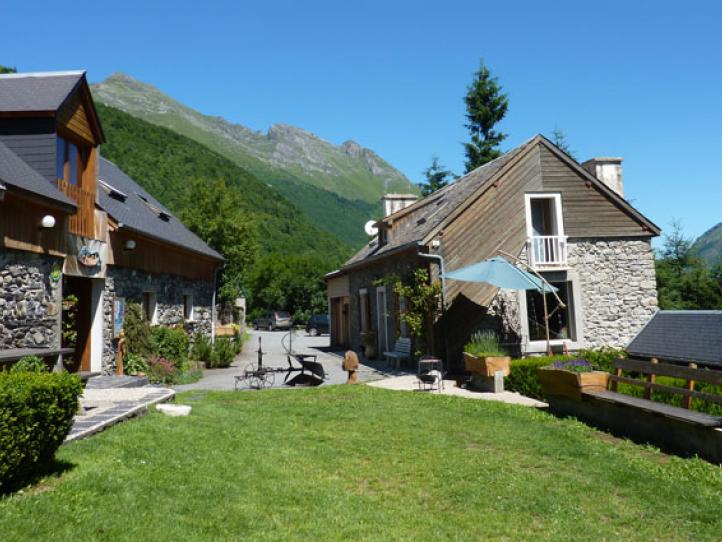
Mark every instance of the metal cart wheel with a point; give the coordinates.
(266, 379)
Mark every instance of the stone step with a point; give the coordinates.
(124, 381)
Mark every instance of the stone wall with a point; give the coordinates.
(618, 285)
(169, 291)
(30, 302)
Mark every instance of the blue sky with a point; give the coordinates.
(641, 80)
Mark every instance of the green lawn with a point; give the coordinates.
(356, 463)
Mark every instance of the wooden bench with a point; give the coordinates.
(650, 369)
(401, 352)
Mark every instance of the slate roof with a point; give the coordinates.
(430, 212)
(14, 171)
(681, 336)
(128, 207)
(45, 91)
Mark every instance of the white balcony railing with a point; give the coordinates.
(547, 251)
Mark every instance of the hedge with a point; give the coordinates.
(36, 414)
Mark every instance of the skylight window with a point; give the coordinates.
(112, 191)
(164, 216)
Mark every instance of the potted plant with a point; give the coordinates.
(484, 357)
(368, 340)
(570, 378)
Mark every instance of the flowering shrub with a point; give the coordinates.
(161, 370)
(573, 365)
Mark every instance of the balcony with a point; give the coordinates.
(547, 251)
(83, 221)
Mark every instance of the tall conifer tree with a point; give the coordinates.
(486, 105)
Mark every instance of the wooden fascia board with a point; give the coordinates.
(479, 192)
(603, 188)
(89, 106)
(26, 114)
(171, 246)
(378, 257)
(43, 200)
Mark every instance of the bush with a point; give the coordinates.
(602, 359)
(223, 353)
(483, 344)
(171, 343)
(134, 364)
(162, 370)
(137, 331)
(36, 414)
(30, 364)
(523, 376)
(202, 348)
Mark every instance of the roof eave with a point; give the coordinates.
(216, 256)
(377, 257)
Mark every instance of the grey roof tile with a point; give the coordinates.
(14, 171)
(45, 91)
(428, 213)
(683, 336)
(129, 207)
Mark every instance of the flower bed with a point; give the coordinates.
(570, 378)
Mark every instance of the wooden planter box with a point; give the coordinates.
(569, 383)
(487, 366)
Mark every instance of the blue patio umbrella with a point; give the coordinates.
(499, 272)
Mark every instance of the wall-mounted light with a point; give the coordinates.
(48, 222)
(2, 192)
(129, 245)
(436, 243)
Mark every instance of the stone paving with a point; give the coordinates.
(410, 383)
(102, 408)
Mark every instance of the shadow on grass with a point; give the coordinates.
(40, 480)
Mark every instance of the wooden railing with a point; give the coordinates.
(547, 250)
(82, 222)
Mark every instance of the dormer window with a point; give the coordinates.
(383, 235)
(69, 161)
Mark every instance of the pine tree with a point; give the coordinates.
(437, 177)
(486, 105)
(7, 69)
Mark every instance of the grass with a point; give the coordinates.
(357, 463)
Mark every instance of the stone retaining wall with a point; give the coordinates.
(30, 302)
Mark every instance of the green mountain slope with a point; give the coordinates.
(709, 245)
(164, 162)
(338, 187)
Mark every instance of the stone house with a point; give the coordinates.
(569, 221)
(72, 223)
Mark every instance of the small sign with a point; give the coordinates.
(118, 316)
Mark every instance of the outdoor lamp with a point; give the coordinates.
(129, 244)
(48, 222)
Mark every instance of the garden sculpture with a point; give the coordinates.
(350, 364)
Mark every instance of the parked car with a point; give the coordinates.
(317, 325)
(274, 320)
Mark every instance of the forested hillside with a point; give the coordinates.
(169, 166)
(709, 245)
(338, 187)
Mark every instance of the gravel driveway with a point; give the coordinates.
(275, 356)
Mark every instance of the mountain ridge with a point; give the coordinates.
(709, 245)
(284, 152)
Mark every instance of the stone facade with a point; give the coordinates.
(169, 291)
(30, 300)
(618, 287)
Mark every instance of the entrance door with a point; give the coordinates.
(381, 318)
(77, 320)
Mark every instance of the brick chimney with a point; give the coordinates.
(396, 202)
(608, 170)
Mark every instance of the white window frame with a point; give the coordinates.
(153, 306)
(191, 312)
(382, 316)
(558, 216)
(577, 318)
(363, 310)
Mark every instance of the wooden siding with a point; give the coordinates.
(83, 221)
(20, 227)
(33, 140)
(73, 117)
(496, 220)
(587, 211)
(156, 257)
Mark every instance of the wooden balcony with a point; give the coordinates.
(547, 251)
(83, 221)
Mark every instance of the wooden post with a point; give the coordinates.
(546, 321)
(615, 384)
(687, 401)
(651, 378)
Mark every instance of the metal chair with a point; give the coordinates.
(430, 373)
